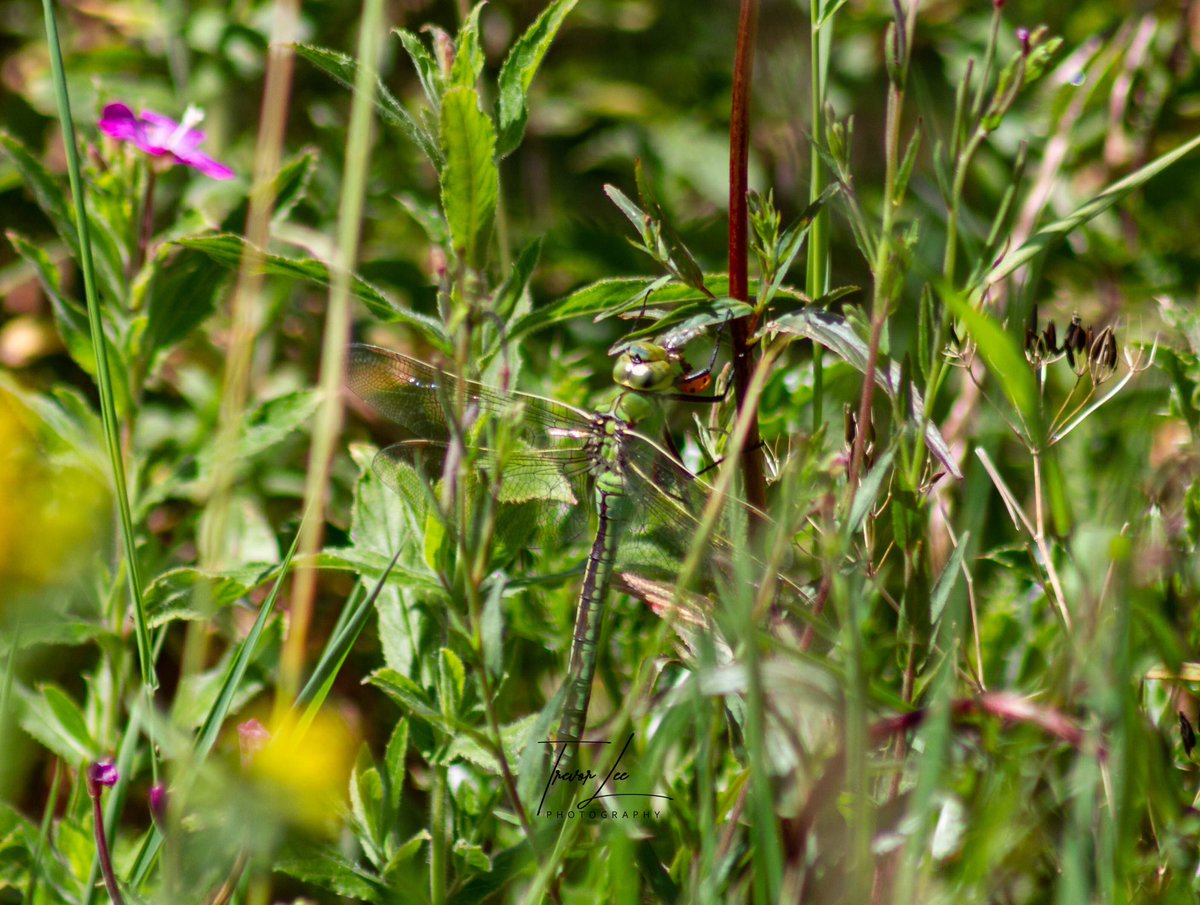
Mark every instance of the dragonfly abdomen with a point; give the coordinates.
(585, 641)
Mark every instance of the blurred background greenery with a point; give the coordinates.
(626, 80)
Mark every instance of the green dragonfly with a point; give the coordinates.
(644, 498)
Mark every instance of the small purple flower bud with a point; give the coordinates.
(1023, 37)
(158, 804)
(101, 773)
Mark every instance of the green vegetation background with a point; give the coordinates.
(1085, 797)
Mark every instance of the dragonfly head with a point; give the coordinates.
(633, 408)
(647, 368)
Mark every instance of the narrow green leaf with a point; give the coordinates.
(513, 289)
(174, 594)
(428, 72)
(868, 492)
(45, 189)
(835, 333)
(405, 853)
(289, 186)
(518, 71)
(69, 315)
(228, 249)
(793, 240)
(492, 630)
(595, 299)
(366, 802)
(625, 204)
(395, 757)
(686, 319)
(1048, 235)
(1002, 356)
(468, 54)
(343, 69)
(470, 179)
(451, 681)
(945, 583)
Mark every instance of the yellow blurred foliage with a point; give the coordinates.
(53, 509)
(306, 772)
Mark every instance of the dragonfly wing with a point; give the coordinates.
(672, 500)
(540, 490)
(416, 396)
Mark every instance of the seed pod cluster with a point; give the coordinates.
(1087, 350)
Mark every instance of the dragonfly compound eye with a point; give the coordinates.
(643, 376)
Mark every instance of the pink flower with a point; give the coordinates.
(157, 135)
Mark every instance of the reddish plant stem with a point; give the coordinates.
(1002, 705)
(146, 230)
(102, 852)
(742, 329)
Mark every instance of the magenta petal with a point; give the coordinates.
(102, 773)
(164, 133)
(119, 122)
(204, 164)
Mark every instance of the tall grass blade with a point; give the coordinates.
(108, 410)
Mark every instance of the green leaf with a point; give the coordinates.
(265, 426)
(427, 68)
(688, 318)
(613, 296)
(451, 681)
(175, 594)
(468, 55)
(835, 333)
(52, 718)
(945, 583)
(343, 69)
(406, 853)
(366, 802)
(793, 240)
(394, 760)
(72, 322)
(405, 692)
(317, 864)
(288, 187)
(492, 630)
(518, 71)
(45, 190)
(469, 177)
(1003, 358)
(472, 854)
(377, 515)
(1048, 235)
(534, 757)
(182, 294)
(55, 204)
(228, 249)
(513, 289)
(868, 492)
(625, 204)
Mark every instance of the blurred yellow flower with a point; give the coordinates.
(306, 772)
(53, 507)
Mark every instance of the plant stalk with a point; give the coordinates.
(742, 330)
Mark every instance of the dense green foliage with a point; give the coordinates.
(952, 658)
